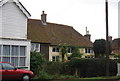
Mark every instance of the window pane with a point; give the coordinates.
(57, 58)
(0, 68)
(14, 61)
(57, 49)
(69, 57)
(6, 59)
(22, 51)
(53, 50)
(8, 66)
(0, 49)
(53, 58)
(22, 61)
(6, 50)
(32, 47)
(69, 50)
(15, 51)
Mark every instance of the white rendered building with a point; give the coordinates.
(14, 45)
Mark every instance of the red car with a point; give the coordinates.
(10, 72)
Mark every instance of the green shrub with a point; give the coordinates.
(44, 75)
(53, 68)
(36, 62)
(117, 58)
(93, 67)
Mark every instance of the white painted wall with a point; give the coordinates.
(19, 43)
(14, 22)
(13, 26)
(0, 21)
(119, 19)
(118, 68)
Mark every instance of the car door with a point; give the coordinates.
(9, 72)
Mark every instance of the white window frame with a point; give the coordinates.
(69, 50)
(57, 49)
(14, 56)
(55, 60)
(35, 47)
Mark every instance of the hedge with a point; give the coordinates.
(93, 67)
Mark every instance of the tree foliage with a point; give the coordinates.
(117, 58)
(99, 47)
(76, 53)
(36, 62)
(64, 51)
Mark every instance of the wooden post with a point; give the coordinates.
(107, 48)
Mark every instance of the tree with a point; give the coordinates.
(36, 62)
(99, 47)
(76, 52)
(64, 51)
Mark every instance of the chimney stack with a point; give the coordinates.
(87, 35)
(110, 38)
(43, 18)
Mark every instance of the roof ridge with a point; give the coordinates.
(52, 23)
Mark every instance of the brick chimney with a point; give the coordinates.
(44, 18)
(110, 38)
(87, 35)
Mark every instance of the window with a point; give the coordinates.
(22, 61)
(14, 51)
(8, 66)
(87, 50)
(55, 49)
(70, 50)
(35, 47)
(0, 49)
(6, 50)
(6, 59)
(55, 58)
(68, 57)
(1, 66)
(13, 54)
(22, 51)
(14, 61)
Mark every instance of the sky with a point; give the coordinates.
(79, 14)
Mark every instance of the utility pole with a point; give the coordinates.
(107, 48)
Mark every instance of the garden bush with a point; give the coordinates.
(53, 68)
(92, 67)
(37, 62)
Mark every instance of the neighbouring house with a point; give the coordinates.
(14, 45)
(46, 38)
(116, 46)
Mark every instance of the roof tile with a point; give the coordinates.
(55, 34)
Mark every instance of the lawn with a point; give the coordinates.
(113, 78)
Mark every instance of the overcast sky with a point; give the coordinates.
(77, 13)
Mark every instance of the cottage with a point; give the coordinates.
(46, 37)
(14, 45)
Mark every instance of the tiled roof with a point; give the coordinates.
(55, 34)
(116, 43)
